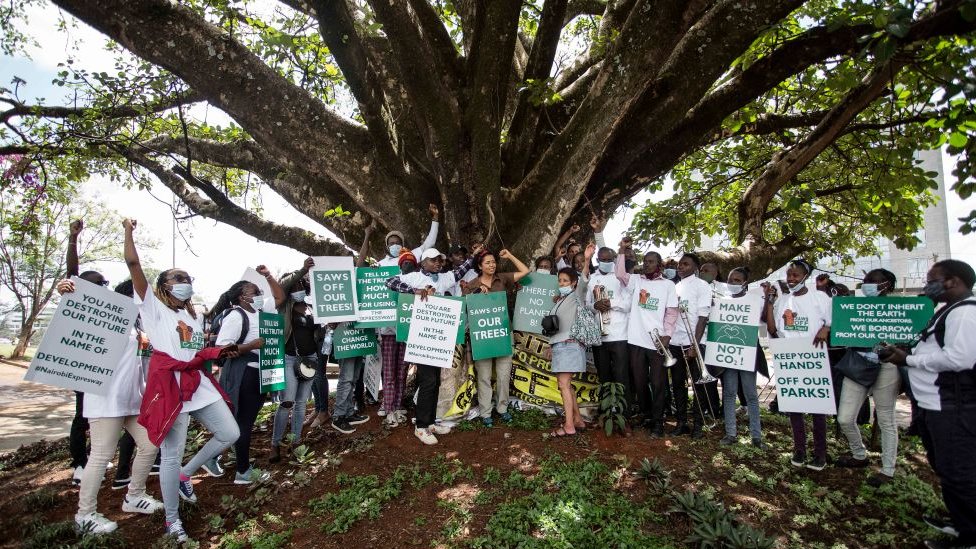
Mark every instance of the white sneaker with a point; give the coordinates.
(425, 436)
(144, 504)
(176, 530)
(95, 523)
(76, 476)
(392, 421)
(401, 415)
(439, 429)
(381, 412)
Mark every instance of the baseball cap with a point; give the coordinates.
(431, 253)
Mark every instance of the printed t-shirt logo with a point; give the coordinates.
(645, 301)
(189, 338)
(794, 322)
(601, 292)
(145, 348)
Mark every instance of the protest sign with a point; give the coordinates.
(348, 342)
(491, 332)
(534, 301)
(372, 375)
(803, 381)
(333, 281)
(405, 314)
(85, 341)
(271, 328)
(533, 381)
(377, 303)
(733, 333)
(434, 326)
(866, 321)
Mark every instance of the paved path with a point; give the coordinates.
(31, 411)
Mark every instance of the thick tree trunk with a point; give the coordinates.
(24, 337)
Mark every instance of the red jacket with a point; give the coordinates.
(164, 398)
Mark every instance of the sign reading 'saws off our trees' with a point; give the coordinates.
(333, 282)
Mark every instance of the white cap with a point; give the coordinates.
(430, 253)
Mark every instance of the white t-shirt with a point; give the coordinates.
(802, 315)
(231, 326)
(429, 242)
(696, 295)
(418, 280)
(128, 385)
(620, 302)
(648, 301)
(180, 336)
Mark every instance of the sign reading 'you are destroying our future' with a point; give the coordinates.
(348, 342)
(405, 315)
(377, 303)
(85, 341)
(491, 332)
(802, 372)
(333, 281)
(271, 328)
(534, 301)
(733, 333)
(866, 321)
(433, 332)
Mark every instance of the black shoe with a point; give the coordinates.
(680, 429)
(942, 525)
(758, 443)
(877, 480)
(120, 483)
(851, 461)
(657, 431)
(799, 459)
(357, 419)
(943, 544)
(818, 463)
(697, 433)
(341, 424)
(155, 470)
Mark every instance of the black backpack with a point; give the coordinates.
(215, 329)
(959, 387)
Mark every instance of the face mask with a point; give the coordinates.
(182, 291)
(435, 276)
(934, 290)
(708, 277)
(870, 290)
(794, 289)
(734, 289)
(298, 296)
(395, 250)
(670, 273)
(543, 271)
(565, 290)
(257, 302)
(606, 267)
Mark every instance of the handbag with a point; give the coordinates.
(304, 369)
(550, 322)
(585, 327)
(858, 369)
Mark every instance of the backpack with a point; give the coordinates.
(585, 328)
(215, 329)
(954, 386)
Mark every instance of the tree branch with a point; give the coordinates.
(118, 111)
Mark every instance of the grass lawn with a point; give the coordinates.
(5, 351)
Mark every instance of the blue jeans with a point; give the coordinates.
(219, 420)
(292, 401)
(350, 369)
(730, 382)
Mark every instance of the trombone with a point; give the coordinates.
(705, 376)
(599, 294)
(669, 359)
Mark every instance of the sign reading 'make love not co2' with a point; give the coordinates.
(733, 333)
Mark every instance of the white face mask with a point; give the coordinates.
(734, 288)
(257, 302)
(395, 250)
(871, 290)
(298, 296)
(565, 290)
(543, 271)
(182, 291)
(606, 267)
(670, 273)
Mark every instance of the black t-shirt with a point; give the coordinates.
(302, 339)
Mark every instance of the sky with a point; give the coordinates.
(218, 254)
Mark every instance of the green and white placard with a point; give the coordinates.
(405, 314)
(377, 303)
(433, 331)
(333, 281)
(271, 328)
(802, 373)
(733, 332)
(534, 301)
(348, 342)
(491, 331)
(866, 321)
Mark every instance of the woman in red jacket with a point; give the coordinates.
(177, 386)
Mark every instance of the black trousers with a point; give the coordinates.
(249, 402)
(949, 437)
(77, 439)
(648, 364)
(706, 394)
(612, 361)
(428, 387)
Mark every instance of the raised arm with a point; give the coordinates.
(621, 268)
(139, 282)
(562, 240)
(520, 268)
(468, 263)
(769, 299)
(276, 290)
(288, 281)
(597, 224)
(74, 231)
(364, 249)
(432, 233)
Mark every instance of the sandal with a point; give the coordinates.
(561, 433)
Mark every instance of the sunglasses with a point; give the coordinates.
(183, 279)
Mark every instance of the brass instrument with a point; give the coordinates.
(669, 359)
(599, 294)
(705, 377)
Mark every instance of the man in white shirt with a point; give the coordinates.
(943, 379)
(695, 300)
(610, 301)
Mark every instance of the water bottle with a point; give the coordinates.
(327, 343)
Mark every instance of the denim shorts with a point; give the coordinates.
(568, 356)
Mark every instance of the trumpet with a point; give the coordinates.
(705, 376)
(669, 359)
(599, 294)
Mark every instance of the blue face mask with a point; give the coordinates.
(298, 296)
(870, 290)
(934, 290)
(435, 276)
(565, 290)
(395, 250)
(670, 273)
(182, 291)
(257, 302)
(606, 267)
